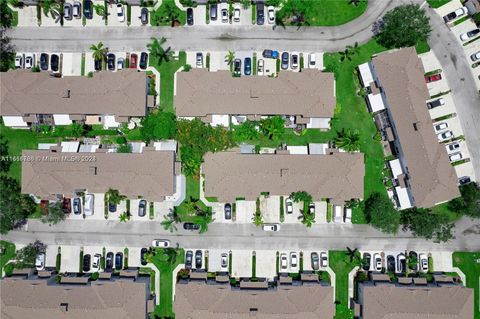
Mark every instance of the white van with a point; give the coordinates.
(88, 206)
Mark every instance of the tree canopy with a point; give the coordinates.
(55, 214)
(25, 257)
(301, 196)
(14, 206)
(424, 223)
(381, 214)
(273, 127)
(469, 203)
(158, 126)
(4, 162)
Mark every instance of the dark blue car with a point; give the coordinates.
(247, 69)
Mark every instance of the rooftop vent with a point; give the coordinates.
(64, 307)
(66, 94)
(283, 172)
(417, 126)
(93, 170)
(253, 312)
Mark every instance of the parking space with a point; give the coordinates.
(270, 208)
(199, 15)
(72, 64)
(245, 211)
(241, 263)
(89, 63)
(453, 125)
(307, 259)
(97, 21)
(51, 256)
(465, 170)
(218, 21)
(265, 264)
(27, 16)
(92, 251)
(448, 7)
(49, 21)
(430, 61)
(218, 61)
(117, 17)
(192, 59)
(98, 207)
(439, 86)
(242, 55)
(160, 209)
(442, 260)
(245, 15)
(214, 260)
(293, 218)
(219, 212)
(135, 20)
(134, 259)
(442, 108)
(462, 28)
(70, 260)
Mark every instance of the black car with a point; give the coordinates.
(98, 65)
(228, 211)
(247, 69)
(413, 257)
(54, 62)
(188, 259)
(77, 206)
(111, 64)
(285, 59)
(44, 62)
(86, 262)
(112, 208)
(191, 226)
(109, 262)
(144, 16)
(198, 259)
(142, 208)
(260, 13)
(87, 9)
(143, 60)
(368, 261)
(390, 263)
(189, 16)
(143, 253)
(237, 66)
(464, 180)
(435, 103)
(118, 261)
(213, 12)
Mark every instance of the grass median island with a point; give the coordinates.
(8, 253)
(469, 264)
(437, 3)
(168, 14)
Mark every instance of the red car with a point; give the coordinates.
(433, 78)
(133, 61)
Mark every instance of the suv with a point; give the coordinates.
(88, 207)
(143, 61)
(213, 12)
(270, 54)
(237, 66)
(199, 60)
(198, 259)
(67, 11)
(188, 259)
(96, 262)
(289, 205)
(224, 261)
(77, 206)
(109, 262)
(260, 13)
(247, 68)
(228, 211)
(118, 261)
(87, 9)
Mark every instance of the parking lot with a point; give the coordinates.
(265, 264)
(214, 260)
(242, 264)
(70, 260)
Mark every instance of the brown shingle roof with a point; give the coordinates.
(202, 301)
(229, 175)
(149, 174)
(432, 177)
(310, 93)
(122, 93)
(390, 302)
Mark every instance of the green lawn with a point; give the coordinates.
(167, 71)
(323, 12)
(422, 47)
(437, 3)
(192, 192)
(469, 264)
(8, 254)
(161, 16)
(165, 308)
(340, 263)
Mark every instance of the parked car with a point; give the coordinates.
(271, 15)
(189, 16)
(433, 78)
(143, 61)
(44, 61)
(435, 103)
(118, 261)
(470, 34)
(378, 262)
(236, 15)
(315, 261)
(311, 208)
(464, 180)
(455, 14)
(271, 227)
(120, 13)
(133, 61)
(260, 65)
(191, 226)
(142, 208)
(54, 62)
(88, 9)
(40, 262)
(224, 14)
(112, 207)
(294, 60)
(96, 262)
(86, 262)
(29, 60)
(77, 10)
(19, 61)
(323, 259)
(452, 147)
(224, 261)
(188, 259)
(237, 66)
(77, 206)
(289, 205)
(199, 60)
(111, 63)
(88, 205)
(228, 211)
(423, 262)
(283, 261)
(143, 255)
(347, 218)
(445, 135)
(213, 12)
(390, 263)
(476, 56)
(260, 13)
(413, 256)
(198, 259)
(285, 61)
(312, 60)
(368, 261)
(109, 262)
(293, 261)
(67, 205)
(67, 11)
(247, 67)
(120, 63)
(270, 54)
(455, 157)
(401, 263)
(441, 126)
(144, 16)
(163, 243)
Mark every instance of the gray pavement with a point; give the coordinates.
(456, 67)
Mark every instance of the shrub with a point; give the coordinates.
(94, 276)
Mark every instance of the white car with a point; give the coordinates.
(289, 205)
(120, 12)
(96, 262)
(163, 243)
(470, 34)
(283, 261)
(271, 227)
(444, 135)
(348, 215)
(452, 147)
(271, 15)
(236, 15)
(475, 56)
(40, 262)
(260, 67)
(29, 60)
(294, 60)
(88, 205)
(441, 126)
(312, 60)
(378, 262)
(224, 14)
(455, 157)
(224, 261)
(423, 262)
(19, 61)
(293, 261)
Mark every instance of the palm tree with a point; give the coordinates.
(170, 220)
(50, 6)
(229, 58)
(124, 217)
(273, 126)
(257, 219)
(348, 140)
(114, 196)
(349, 52)
(99, 51)
(299, 20)
(171, 12)
(306, 218)
(352, 253)
(158, 52)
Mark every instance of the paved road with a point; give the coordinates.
(240, 236)
(204, 38)
(456, 67)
